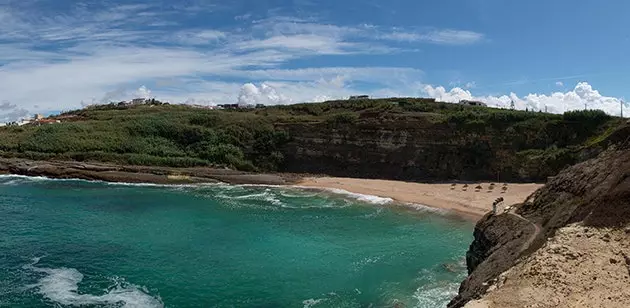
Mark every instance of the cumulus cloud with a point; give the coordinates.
(559, 84)
(110, 49)
(11, 112)
(265, 94)
(582, 96)
(6, 105)
(142, 92)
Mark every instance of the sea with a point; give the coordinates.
(74, 243)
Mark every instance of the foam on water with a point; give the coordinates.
(435, 291)
(356, 196)
(14, 179)
(424, 208)
(312, 302)
(435, 295)
(61, 285)
(20, 179)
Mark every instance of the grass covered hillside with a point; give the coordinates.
(260, 139)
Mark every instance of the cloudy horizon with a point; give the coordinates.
(60, 55)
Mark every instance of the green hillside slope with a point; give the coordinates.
(398, 138)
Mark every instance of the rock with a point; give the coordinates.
(613, 261)
(595, 193)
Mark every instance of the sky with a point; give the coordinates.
(58, 55)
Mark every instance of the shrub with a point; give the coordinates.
(343, 118)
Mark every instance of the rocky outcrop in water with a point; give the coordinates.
(595, 194)
(136, 174)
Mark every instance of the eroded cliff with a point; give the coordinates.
(424, 147)
(594, 194)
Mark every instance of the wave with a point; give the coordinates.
(312, 302)
(360, 197)
(273, 196)
(425, 208)
(266, 196)
(356, 196)
(435, 295)
(436, 290)
(14, 179)
(60, 285)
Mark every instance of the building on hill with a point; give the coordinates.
(358, 97)
(228, 106)
(472, 103)
(138, 101)
(38, 117)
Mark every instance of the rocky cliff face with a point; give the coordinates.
(595, 194)
(413, 147)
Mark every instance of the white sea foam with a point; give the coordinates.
(15, 179)
(435, 295)
(60, 285)
(425, 208)
(267, 196)
(312, 302)
(356, 196)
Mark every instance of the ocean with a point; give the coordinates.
(73, 243)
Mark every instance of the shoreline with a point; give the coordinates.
(468, 203)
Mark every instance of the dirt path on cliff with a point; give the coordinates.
(532, 237)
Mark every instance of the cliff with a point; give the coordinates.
(593, 196)
(410, 139)
(421, 147)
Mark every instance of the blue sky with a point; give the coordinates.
(59, 54)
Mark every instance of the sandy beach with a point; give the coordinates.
(466, 201)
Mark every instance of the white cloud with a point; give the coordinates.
(382, 75)
(265, 94)
(444, 37)
(201, 37)
(143, 92)
(96, 53)
(11, 112)
(452, 37)
(559, 84)
(583, 95)
(243, 17)
(301, 42)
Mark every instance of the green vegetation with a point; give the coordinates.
(255, 139)
(167, 135)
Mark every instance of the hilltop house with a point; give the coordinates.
(358, 97)
(138, 101)
(472, 103)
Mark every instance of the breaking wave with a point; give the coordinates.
(268, 195)
(359, 197)
(61, 285)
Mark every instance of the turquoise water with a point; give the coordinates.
(67, 243)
